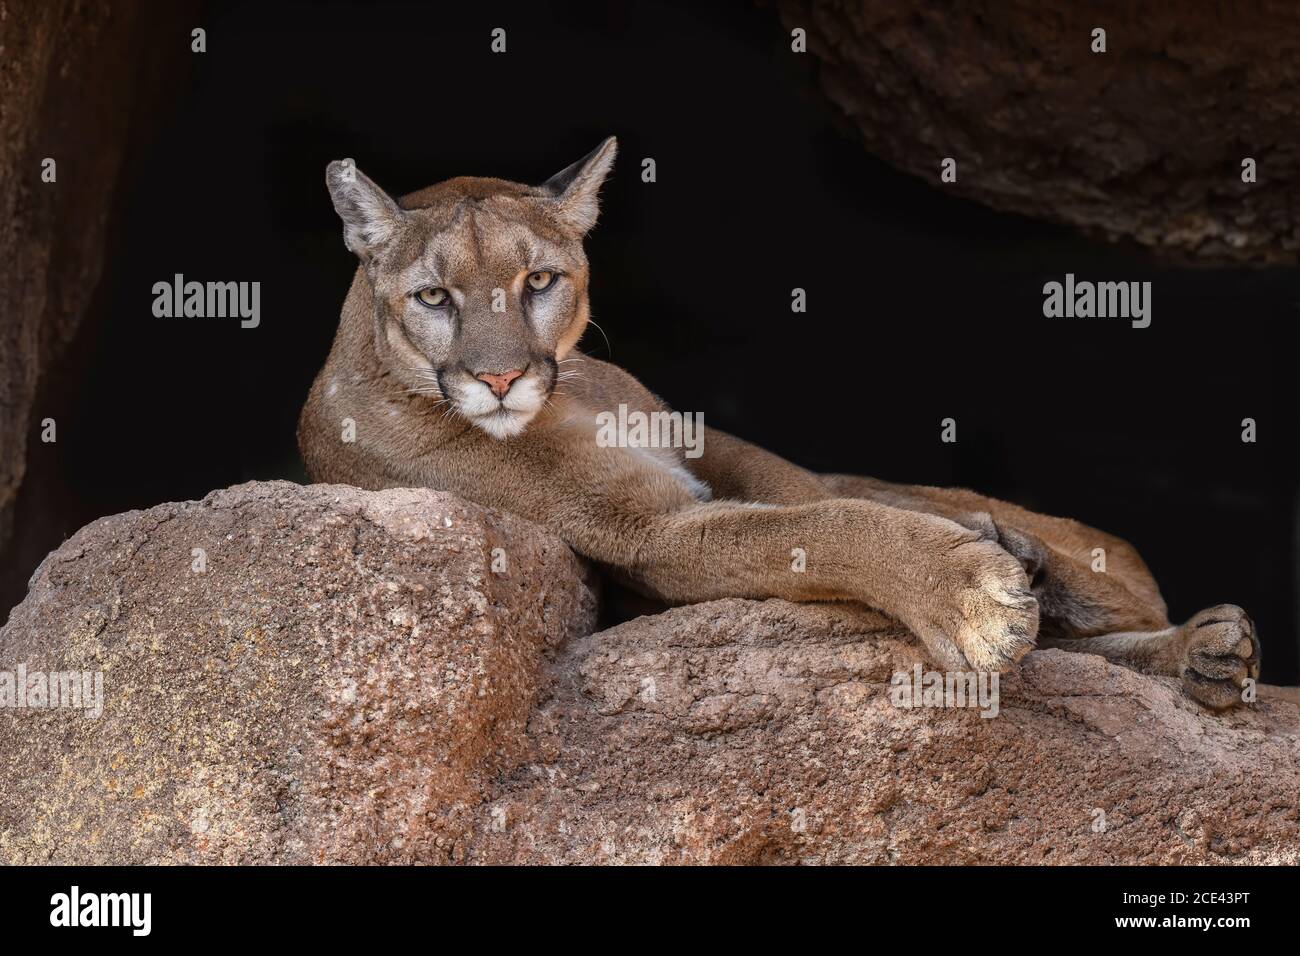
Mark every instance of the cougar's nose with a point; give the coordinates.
(500, 384)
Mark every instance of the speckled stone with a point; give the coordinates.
(349, 680)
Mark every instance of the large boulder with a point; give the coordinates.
(400, 676)
(290, 675)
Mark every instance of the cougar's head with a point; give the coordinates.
(480, 285)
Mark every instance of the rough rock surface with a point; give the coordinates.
(1144, 141)
(351, 681)
(748, 732)
(342, 682)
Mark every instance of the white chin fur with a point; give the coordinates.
(503, 419)
(505, 423)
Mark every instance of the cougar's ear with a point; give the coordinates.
(575, 189)
(370, 216)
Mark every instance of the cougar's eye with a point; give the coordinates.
(540, 280)
(434, 298)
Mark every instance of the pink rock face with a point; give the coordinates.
(401, 677)
(753, 732)
(341, 683)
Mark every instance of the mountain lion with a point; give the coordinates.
(455, 362)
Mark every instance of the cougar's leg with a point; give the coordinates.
(1084, 610)
(1116, 612)
(1214, 653)
(964, 596)
(1059, 556)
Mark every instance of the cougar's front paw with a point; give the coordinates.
(979, 600)
(1222, 652)
(999, 615)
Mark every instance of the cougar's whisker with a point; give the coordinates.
(609, 349)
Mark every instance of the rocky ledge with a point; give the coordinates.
(326, 675)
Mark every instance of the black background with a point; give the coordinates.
(921, 306)
(282, 905)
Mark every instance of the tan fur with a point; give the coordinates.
(978, 580)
